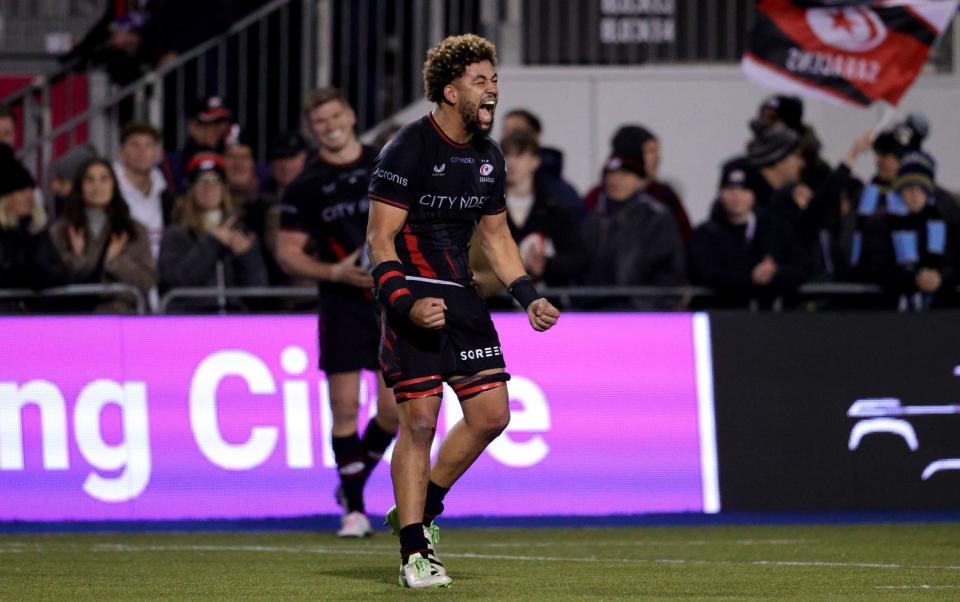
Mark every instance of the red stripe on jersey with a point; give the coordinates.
(501, 210)
(337, 248)
(399, 293)
(453, 270)
(419, 394)
(390, 202)
(413, 381)
(388, 276)
(416, 257)
(480, 388)
(446, 138)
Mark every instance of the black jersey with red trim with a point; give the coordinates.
(446, 188)
(329, 203)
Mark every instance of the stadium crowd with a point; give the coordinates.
(208, 216)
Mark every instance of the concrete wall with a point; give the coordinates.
(700, 114)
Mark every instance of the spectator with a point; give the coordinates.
(27, 256)
(776, 155)
(65, 172)
(632, 239)
(910, 251)
(287, 155)
(258, 214)
(99, 241)
(141, 182)
(207, 131)
(8, 127)
(815, 217)
(208, 246)
(744, 252)
(788, 111)
(545, 231)
(551, 159)
(912, 133)
(636, 140)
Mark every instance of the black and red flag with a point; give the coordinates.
(852, 51)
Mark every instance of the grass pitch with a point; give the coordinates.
(894, 562)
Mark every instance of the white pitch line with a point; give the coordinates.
(632, 544)
(916, 586)
(586, 559)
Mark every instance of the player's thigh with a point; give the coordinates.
(488, 409)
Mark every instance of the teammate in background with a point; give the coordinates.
(328, 204)
(433, 185)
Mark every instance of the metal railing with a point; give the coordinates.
(223, 296)
(260, 66)
(223, 299)
(80, 290)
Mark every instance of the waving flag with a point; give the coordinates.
(855, 52)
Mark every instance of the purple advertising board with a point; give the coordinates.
(163, 418)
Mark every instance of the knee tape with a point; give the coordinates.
(475, 385)
(415, 388)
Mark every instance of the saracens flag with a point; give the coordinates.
(854, 51)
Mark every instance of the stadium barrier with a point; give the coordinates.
(682, 295)
(838, 412)
(168, 418)
(79, 290)
(172, 418)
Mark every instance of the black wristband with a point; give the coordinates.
(523, 291)
(390, 287)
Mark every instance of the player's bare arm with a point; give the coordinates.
(296, 262)
(384, 224)
(504, 257)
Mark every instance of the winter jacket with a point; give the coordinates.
(639, 244)
(189, 258)
(134, 265)
(721, 257)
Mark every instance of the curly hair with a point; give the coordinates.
(449, 59)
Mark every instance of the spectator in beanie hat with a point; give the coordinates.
(776, 155)
(788, 111)
(913, 255)
(744, 252)
(27, 256)
(632, 239)
(636, 140)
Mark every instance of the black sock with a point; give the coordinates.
(412, 540)
(434, 505)
(348, 451)
(375, 442)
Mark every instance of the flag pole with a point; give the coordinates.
(886, 117)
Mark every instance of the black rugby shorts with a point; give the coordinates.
(349, 337)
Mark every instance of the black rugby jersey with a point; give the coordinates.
(329, 203)
(446, 188)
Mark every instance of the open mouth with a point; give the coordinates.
(485, 112)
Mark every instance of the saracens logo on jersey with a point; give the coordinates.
(486, 169)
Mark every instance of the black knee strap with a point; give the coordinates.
(415, 388)
(475, 385)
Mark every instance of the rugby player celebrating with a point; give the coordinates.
(432, 186)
